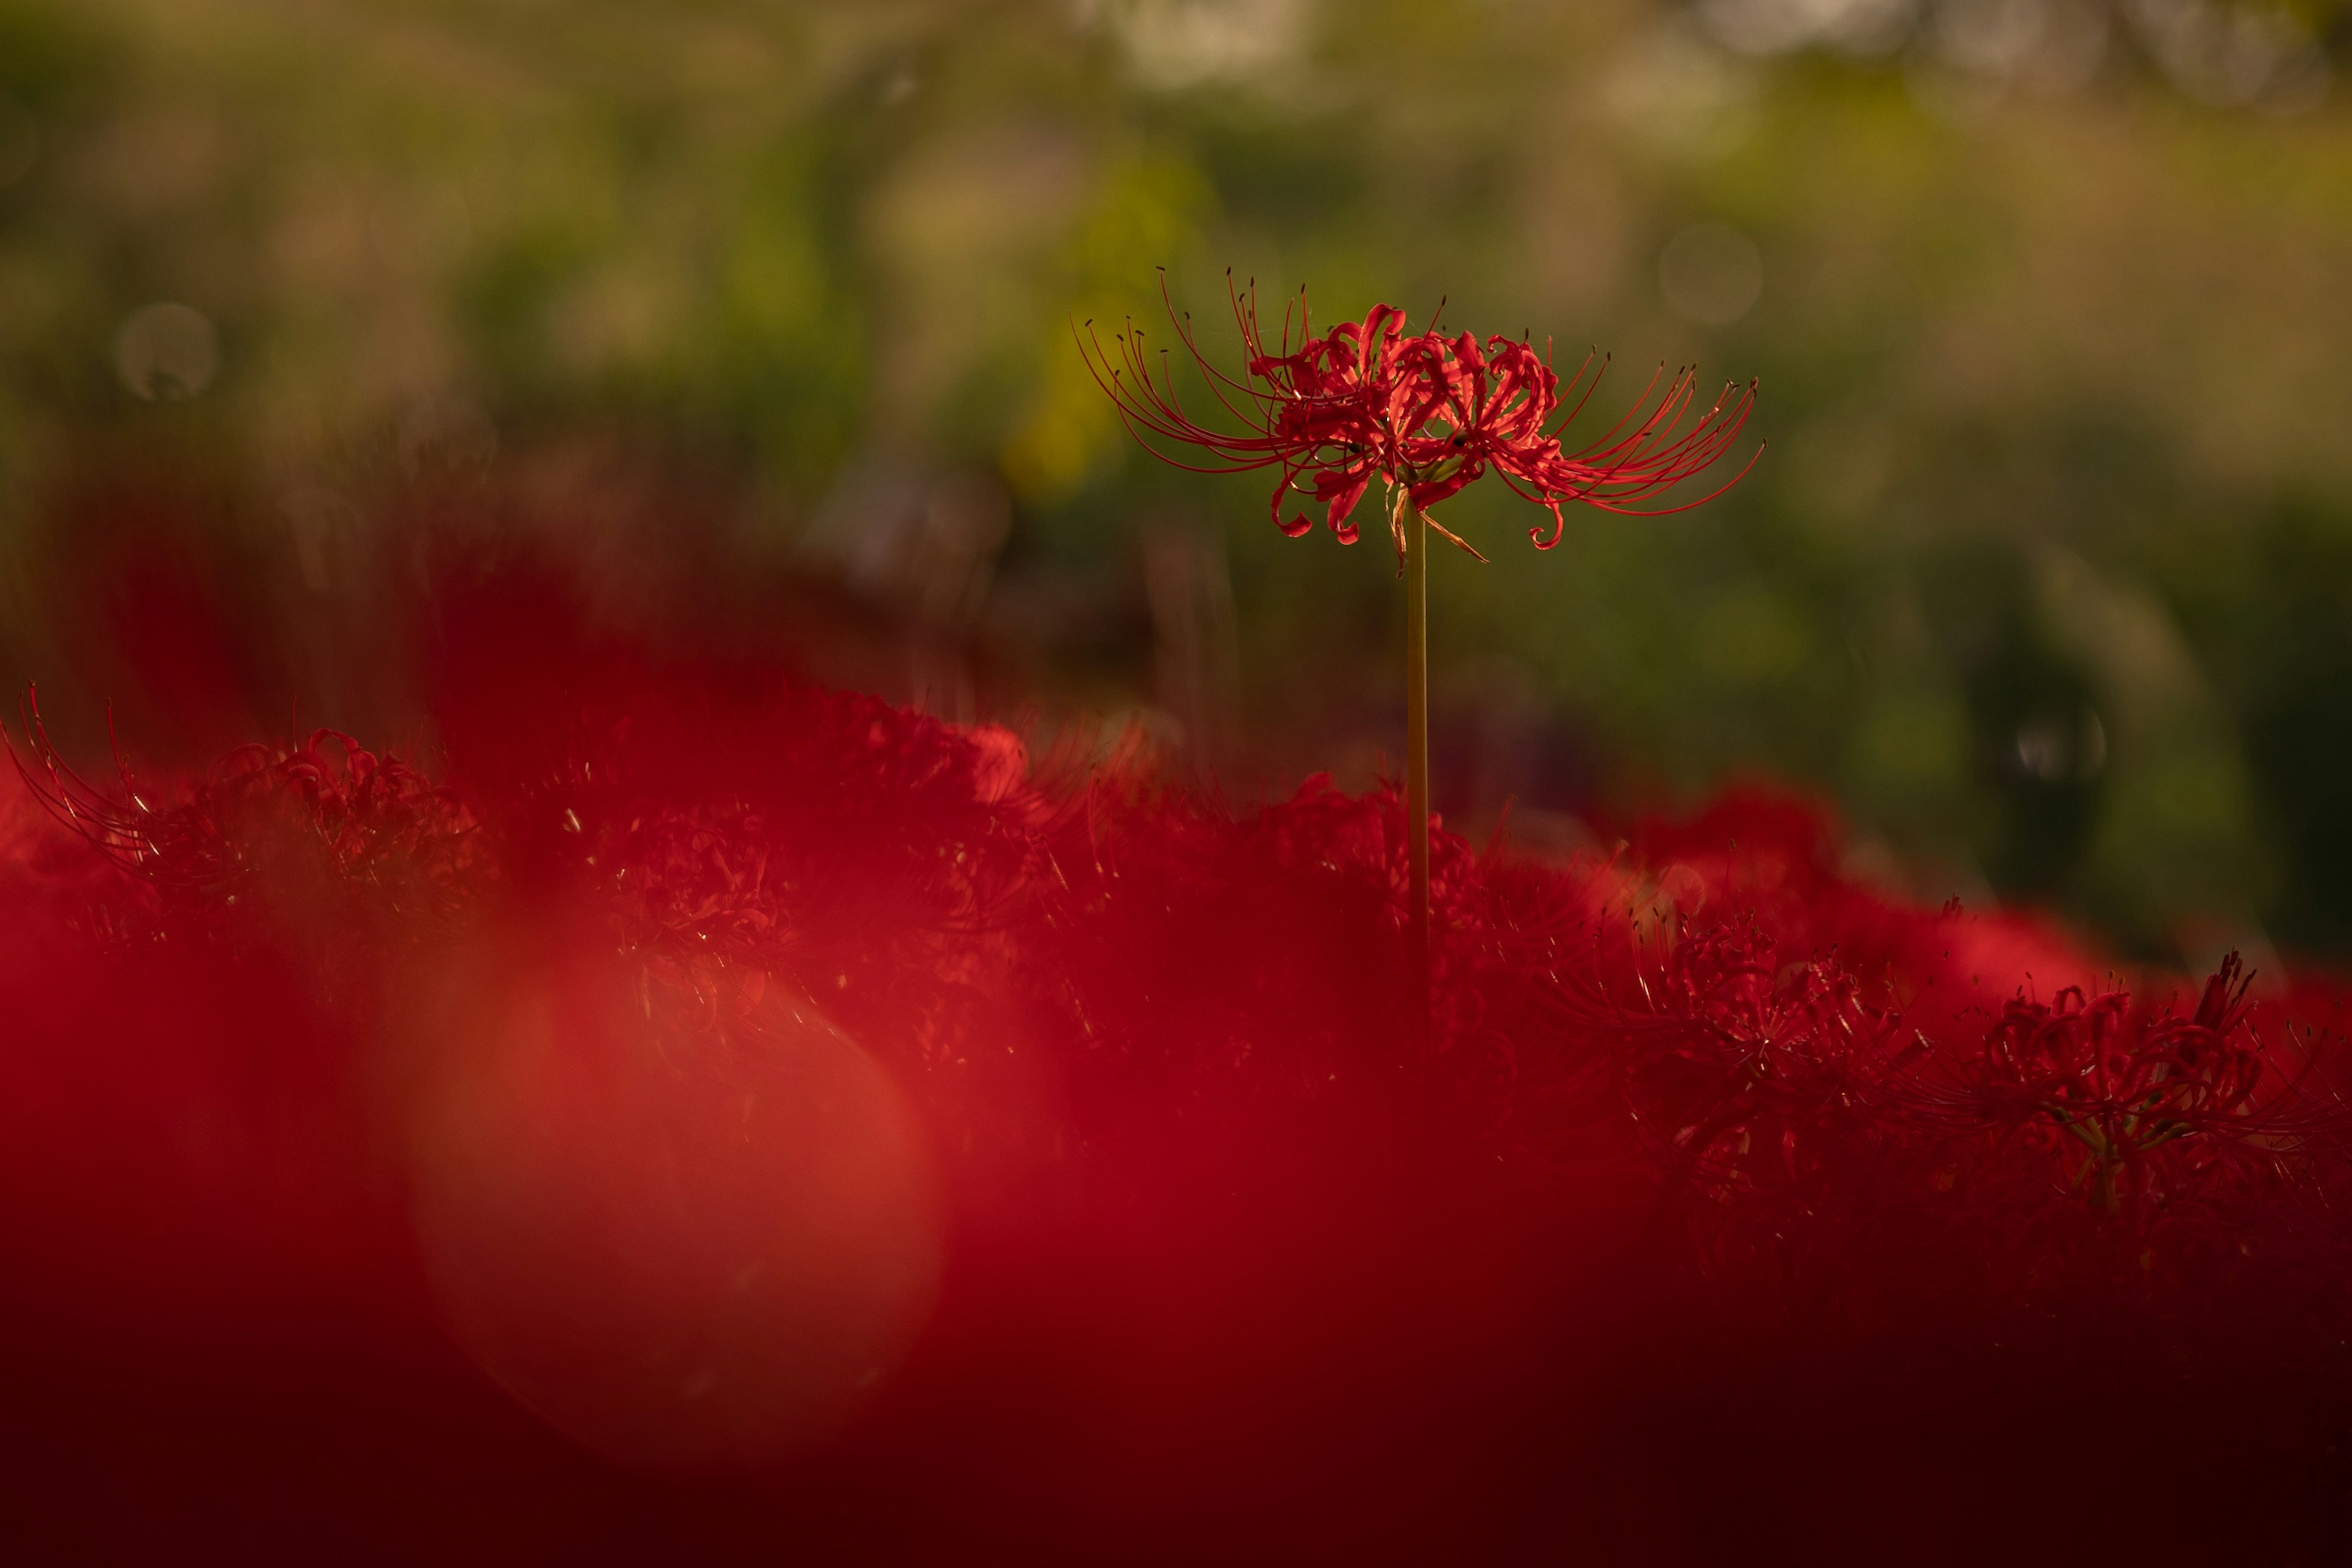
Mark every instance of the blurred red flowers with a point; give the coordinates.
(723, 1060)
(1425, 413)
(373, 820)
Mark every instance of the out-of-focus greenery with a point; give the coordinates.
(2047, 574)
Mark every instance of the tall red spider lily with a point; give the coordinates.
(1427, 414)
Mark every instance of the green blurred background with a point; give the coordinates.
(760, 314)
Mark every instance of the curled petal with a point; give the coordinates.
(1559, 524)
(1342, 491)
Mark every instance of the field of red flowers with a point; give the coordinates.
(707, 1114)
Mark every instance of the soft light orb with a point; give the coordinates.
(687, 1244)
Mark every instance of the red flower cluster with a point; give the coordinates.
(1725, 1051)
(1747, 1021)
(1820, 1073)
(1683, 1117)
(370, 820)
(1425, 413)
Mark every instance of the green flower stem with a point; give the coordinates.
(1416, 742)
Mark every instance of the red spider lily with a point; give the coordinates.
(1477, 411)
(1732, 1057)
(1323, 410)
(2145, 1101)
(1426, 413)
(373, 819)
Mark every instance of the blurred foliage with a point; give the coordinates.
(2047, 574)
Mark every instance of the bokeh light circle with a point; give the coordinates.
(686, 1247)
(166, 351)
(1711, 273)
